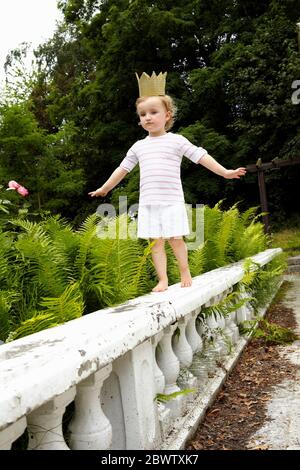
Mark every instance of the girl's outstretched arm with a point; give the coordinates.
(211, 164)
(112, 181)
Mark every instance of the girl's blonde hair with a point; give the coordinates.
(169, 105)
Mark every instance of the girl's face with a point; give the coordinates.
(153, 116)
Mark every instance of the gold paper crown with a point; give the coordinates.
(152, 86)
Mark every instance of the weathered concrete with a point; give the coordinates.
(186, 426)
(294, 260)
(293, 264)
(129, 353)
(282, 428)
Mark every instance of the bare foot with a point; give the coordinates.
(186, 278)
(161, 286)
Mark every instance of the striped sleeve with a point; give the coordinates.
(129, 162)
(191, 151)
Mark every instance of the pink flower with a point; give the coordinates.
(23, 191)
(13, 185)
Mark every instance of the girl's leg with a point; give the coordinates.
(180, 251)
(159, 258)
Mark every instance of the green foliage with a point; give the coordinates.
(61, 273)
(56, 311)
(4, 203)
(248, 240)
(163, 398)
(270, 332)
(231, 303)
(36, 160)
(64, 128)
(230, 74)
(228, 236)
(261, 282)
(289, 240)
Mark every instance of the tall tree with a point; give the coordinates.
(230, 67)
(37, 160)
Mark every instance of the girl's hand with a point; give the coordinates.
(230, 174)
(99, 192)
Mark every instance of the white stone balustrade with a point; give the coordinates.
(112, 362)
(192, 334)
(11, 433)
(45, 423)
(90, 429)
(184, 353)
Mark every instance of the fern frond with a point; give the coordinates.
(249, 215)
(231, 303)
(197, 261)
(68, 306)
(270, 332)
(87, 235)
(37, 323)
(140, 281)
(163, 398)
(7, 299)
(225, 234)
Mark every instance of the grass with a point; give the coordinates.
(289, 240)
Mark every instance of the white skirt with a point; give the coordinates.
(162, 221)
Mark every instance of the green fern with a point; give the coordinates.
(68, 306)
(212, 221)
(38, 258)
(87, 233)
(38, 322)
(162, 398)
(140, 283)
(172, 266)
(249, 240)
(7, 299)
(225, 235)
(231, 303)
(270, 332)
(55, 311)
(250, 215)
(50, 257)
(197, 261)
(261, 282)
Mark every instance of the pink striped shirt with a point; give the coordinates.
(160, 160)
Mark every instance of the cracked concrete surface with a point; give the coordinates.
(282, 428)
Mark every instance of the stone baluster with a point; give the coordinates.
(228, 327)
(135, 372)
(181, 347)
(242, 313)
(192, 335)
(159, 378)
(248, 310)
(220, 337)
(169, 365)
(199, 366)
(164, 413)
(184, 353)
(212, 350)
(231, 322)
(11, 433)
(45, 423)
(90, 429)
(231, 330)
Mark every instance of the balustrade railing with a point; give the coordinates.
(112, 364)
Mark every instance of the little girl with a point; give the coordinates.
(162, 213)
